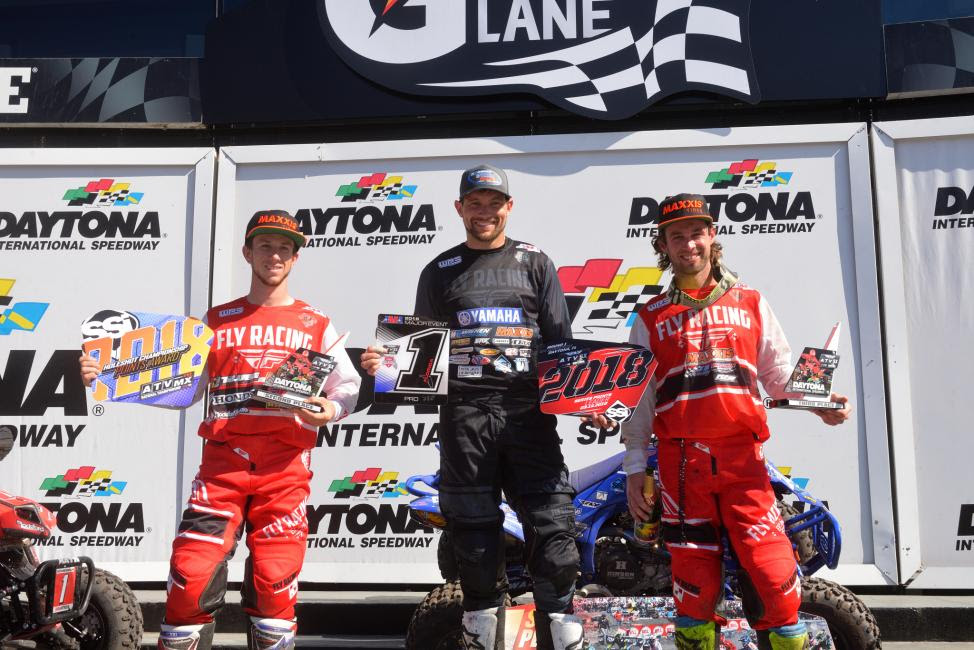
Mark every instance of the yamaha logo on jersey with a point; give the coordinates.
(597, 58)
(490, 315)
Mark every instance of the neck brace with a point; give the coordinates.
(725, 280)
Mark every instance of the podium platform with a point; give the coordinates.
(646, 624)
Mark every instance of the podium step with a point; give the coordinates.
(384, 616)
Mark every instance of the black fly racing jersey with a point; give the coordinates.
(502, 305)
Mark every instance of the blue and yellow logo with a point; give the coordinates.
(20, 315)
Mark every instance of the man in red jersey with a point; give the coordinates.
(255, 469)
(714, 339)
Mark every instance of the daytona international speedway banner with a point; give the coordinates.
(793, 211)
(926, 206)
(93, 236)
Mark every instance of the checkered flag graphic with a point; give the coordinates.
(930, 55)
(382, 489)
(623, 304)
(760, 178)
(89, 488)
(120, 90)
(383, 192)
(691, 44)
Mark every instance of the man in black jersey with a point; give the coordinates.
(503, 300)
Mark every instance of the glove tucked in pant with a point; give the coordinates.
(253, 479)
(724, 483)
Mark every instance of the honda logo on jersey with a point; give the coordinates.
(598, 58)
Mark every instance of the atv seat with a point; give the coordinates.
(586, 476)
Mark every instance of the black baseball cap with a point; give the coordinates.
(682, 207)
(274, 222)
(484, 177)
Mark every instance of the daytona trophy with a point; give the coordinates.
(812, 377)
(300, 376)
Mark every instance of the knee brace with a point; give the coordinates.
(480, 560)
(271, 634)
(773, 606)
(548, 521)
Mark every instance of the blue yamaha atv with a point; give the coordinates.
(613, 563)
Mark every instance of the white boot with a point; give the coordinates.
(480, 629)
(271, 634)
(566, 632)
(185, 637)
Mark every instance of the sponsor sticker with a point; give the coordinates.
(453, 261)
(491, 315)
(470, 372)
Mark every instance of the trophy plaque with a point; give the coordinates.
(143, 358)
(812, 377)
(577, 377)
(415, 368)
(300, 376)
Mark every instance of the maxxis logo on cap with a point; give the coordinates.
(277, 220)
(607, 60)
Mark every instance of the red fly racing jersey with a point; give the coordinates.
(709, 364)
(249, 343)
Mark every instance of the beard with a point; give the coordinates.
(486, 236)
(270, 282)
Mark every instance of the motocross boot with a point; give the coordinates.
(271, 634)
(779, 639)
(702, 636)
(185, 637)
(483, 629)
(566, 632)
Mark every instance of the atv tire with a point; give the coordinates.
(436, 623)
(803, 541)
(113, 620)
(852, 625)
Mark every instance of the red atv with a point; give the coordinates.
(64, 604)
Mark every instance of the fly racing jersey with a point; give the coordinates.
(709, 364)
(502, 305)
(250, 341)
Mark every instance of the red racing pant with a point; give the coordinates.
(723, 483)
(253, 480)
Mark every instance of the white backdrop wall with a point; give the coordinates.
(805, 238)
(65, 254)
(925, 178)
(376, 214)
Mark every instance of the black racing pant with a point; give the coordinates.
(497, 442)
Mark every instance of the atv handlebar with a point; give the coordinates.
(432, 480)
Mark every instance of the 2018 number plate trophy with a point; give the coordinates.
(812, 377)
(415, 368)
(578, 377)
